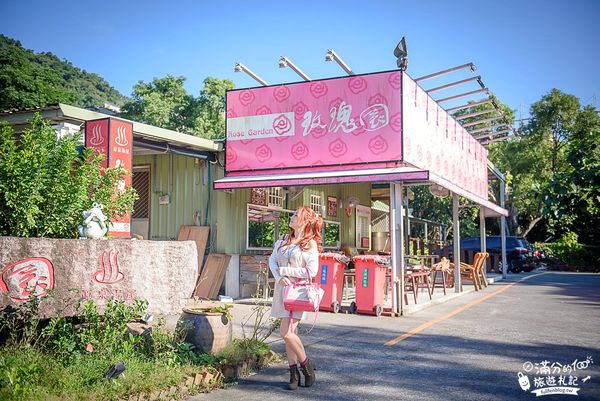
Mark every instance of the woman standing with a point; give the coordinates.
(289, 262)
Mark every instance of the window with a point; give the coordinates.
(140, 181)
(265, 225)
(363, 227)
(275, 197)
(315, 204)
(331, 236)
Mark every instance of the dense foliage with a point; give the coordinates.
(45, 184)
(164, 102)
(29, 80)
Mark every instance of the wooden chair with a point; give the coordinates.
(473, 272)
(443, 267)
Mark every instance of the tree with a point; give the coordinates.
(211, 121)
(45, 185)
(165, 103)
(29, 80)
(572, 199)
(532, 161)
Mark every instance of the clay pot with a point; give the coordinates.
(209, 332)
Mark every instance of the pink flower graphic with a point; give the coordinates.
(263, 153)
(357, 84)
(282, 124)
(396, 122)
(246, 97)
(338, 148)
(377, 99)
(231, 155)
(299, 109)
(282, 138)
(335, 103)
(360, 129)
(318, 89)
(281, 93)
(230, 113)
(394, 80)
(299, 151)
(246, 141)
(378, 145)
(262, 110)
(318, 132)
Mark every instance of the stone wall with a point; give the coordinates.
(162, 272)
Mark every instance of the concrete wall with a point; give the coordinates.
(162, 272)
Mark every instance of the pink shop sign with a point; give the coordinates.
(349, 120)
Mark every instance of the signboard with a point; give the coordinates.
(435, 141)
(114, 139)
(348, 120)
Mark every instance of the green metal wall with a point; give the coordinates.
(183, 179)
(187, 180)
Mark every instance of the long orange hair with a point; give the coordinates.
(312, 223)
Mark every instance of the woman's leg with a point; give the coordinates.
(293, 345)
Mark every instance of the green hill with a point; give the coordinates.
(29, 80)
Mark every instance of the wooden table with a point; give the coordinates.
(416, 278)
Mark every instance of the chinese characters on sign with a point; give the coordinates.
(332, 206)
(554, 378)
(27, 277)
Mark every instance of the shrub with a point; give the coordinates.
(45, 184)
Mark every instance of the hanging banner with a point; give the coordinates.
(312, 125)
(114, 139)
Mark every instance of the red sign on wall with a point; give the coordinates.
(114, 139)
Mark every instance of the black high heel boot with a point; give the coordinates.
(309, 373)
(294, 378)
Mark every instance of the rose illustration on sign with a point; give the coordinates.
(357, 85)
(262, 110)
(318, 132)
(97, 138)
(394, 80)
(396, 123)
(318, 89)
(108, 271)
(299, 151)
(282, 124)
(377, 99)
(299, 110)
(27, 277)
(246, 97)
(231, 155)
(378, 145)
(281, 93)
(263, 153)
(230, 113)
(335, 103)
(338, 148)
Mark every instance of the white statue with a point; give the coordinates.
(94, 224)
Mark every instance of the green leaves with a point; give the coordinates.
(165, 103)
(45, 185)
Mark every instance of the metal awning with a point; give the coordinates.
(405, 174)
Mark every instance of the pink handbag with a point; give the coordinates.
(304, 296)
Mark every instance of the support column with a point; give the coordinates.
(482, 237)
(503, 229)
(397, 242)
(456, 242)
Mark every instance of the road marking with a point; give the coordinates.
(455, 312)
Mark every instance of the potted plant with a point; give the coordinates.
(207, 327)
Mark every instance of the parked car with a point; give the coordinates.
(520, 254)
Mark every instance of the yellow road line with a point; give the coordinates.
(455, 312)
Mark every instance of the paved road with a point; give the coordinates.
(470, 348)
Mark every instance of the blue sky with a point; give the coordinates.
(522, 48)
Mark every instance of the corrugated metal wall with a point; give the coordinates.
(183, 179)
(186, 181)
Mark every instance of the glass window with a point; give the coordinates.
(331, 237)
(265, 226)
(315, 203)
(275, 197)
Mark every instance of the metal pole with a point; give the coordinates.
(407, 240)
(503, 229)
(456, 245)
(241, 67)
(396, 237)
(482, 237)
(471, 66)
